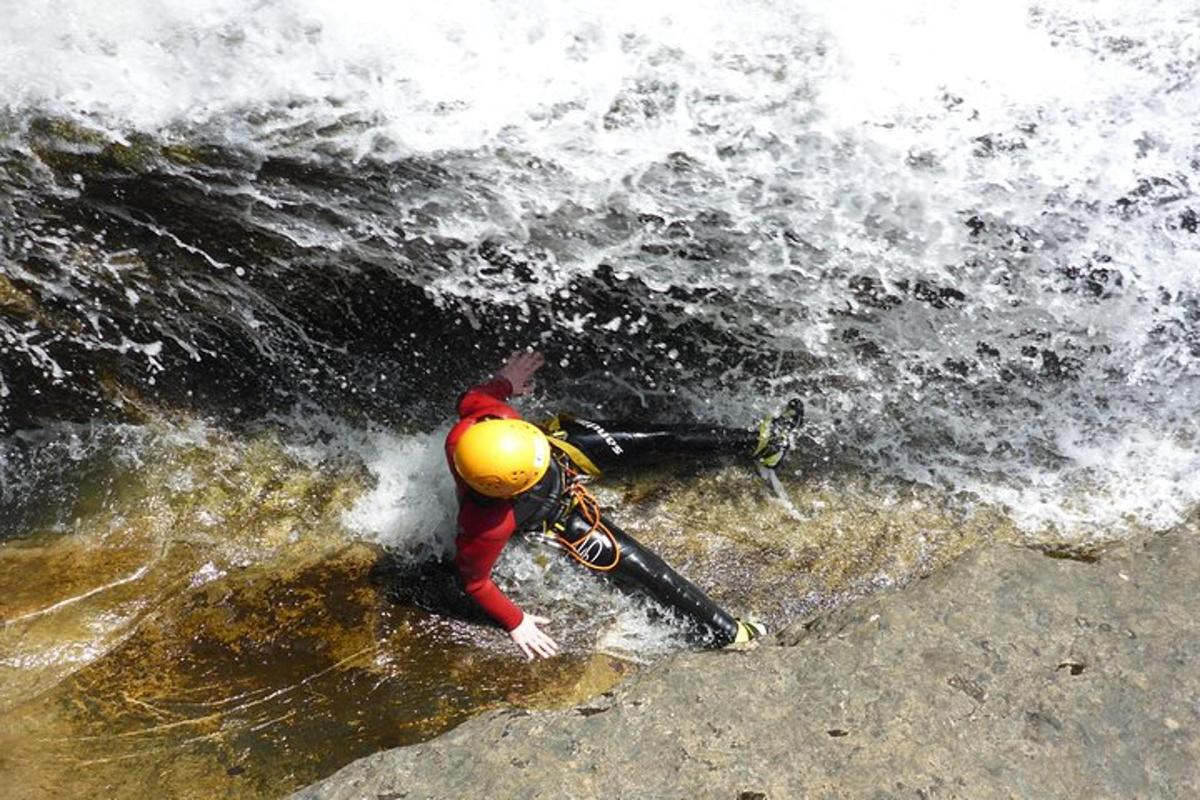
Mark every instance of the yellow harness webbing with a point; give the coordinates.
(572, 452)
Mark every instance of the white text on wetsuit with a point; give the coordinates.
(605, 435)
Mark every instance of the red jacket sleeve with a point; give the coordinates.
(483, 530)
(486, 398)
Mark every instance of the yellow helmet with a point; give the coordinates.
(502, 457)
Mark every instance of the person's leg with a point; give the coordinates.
(601, 446)
(607, 550)
(607, 446)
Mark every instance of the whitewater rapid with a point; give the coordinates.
(966, 234)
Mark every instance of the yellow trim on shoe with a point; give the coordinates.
(748, 632)
(764, 436)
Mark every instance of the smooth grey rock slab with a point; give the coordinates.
(1009, 674)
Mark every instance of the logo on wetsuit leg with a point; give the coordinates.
(598, 551)
(603, 434)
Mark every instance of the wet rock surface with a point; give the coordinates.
(1010, 674)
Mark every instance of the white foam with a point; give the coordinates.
(543, 581)
(799, 124)
(411, 507)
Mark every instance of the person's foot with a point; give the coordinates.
(748, 631)
(777, 434)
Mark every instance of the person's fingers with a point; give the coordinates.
(550, 641)
(537, 620)
(544, 649)
(525, 649)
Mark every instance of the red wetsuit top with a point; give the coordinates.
(483, 527)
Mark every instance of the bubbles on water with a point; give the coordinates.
(957, 229)
(207, 573)
(586, 613)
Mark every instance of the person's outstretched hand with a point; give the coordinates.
(519, 369)
(531, 640)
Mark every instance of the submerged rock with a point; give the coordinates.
(1008, 674)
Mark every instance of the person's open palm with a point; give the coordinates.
(531, 640)
(519, 369)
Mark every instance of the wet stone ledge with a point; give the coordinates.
(1009, 674)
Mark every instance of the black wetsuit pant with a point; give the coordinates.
(595, 542)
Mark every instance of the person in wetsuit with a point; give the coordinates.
(515, 477)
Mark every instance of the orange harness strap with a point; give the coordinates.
(589, 508)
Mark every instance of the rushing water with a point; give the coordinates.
(249, 252)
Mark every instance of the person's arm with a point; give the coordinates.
(519, 369)
(486, 398)
(484, 530)
(514, 379)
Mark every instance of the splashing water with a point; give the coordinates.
(962, 232)
(250, 251)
